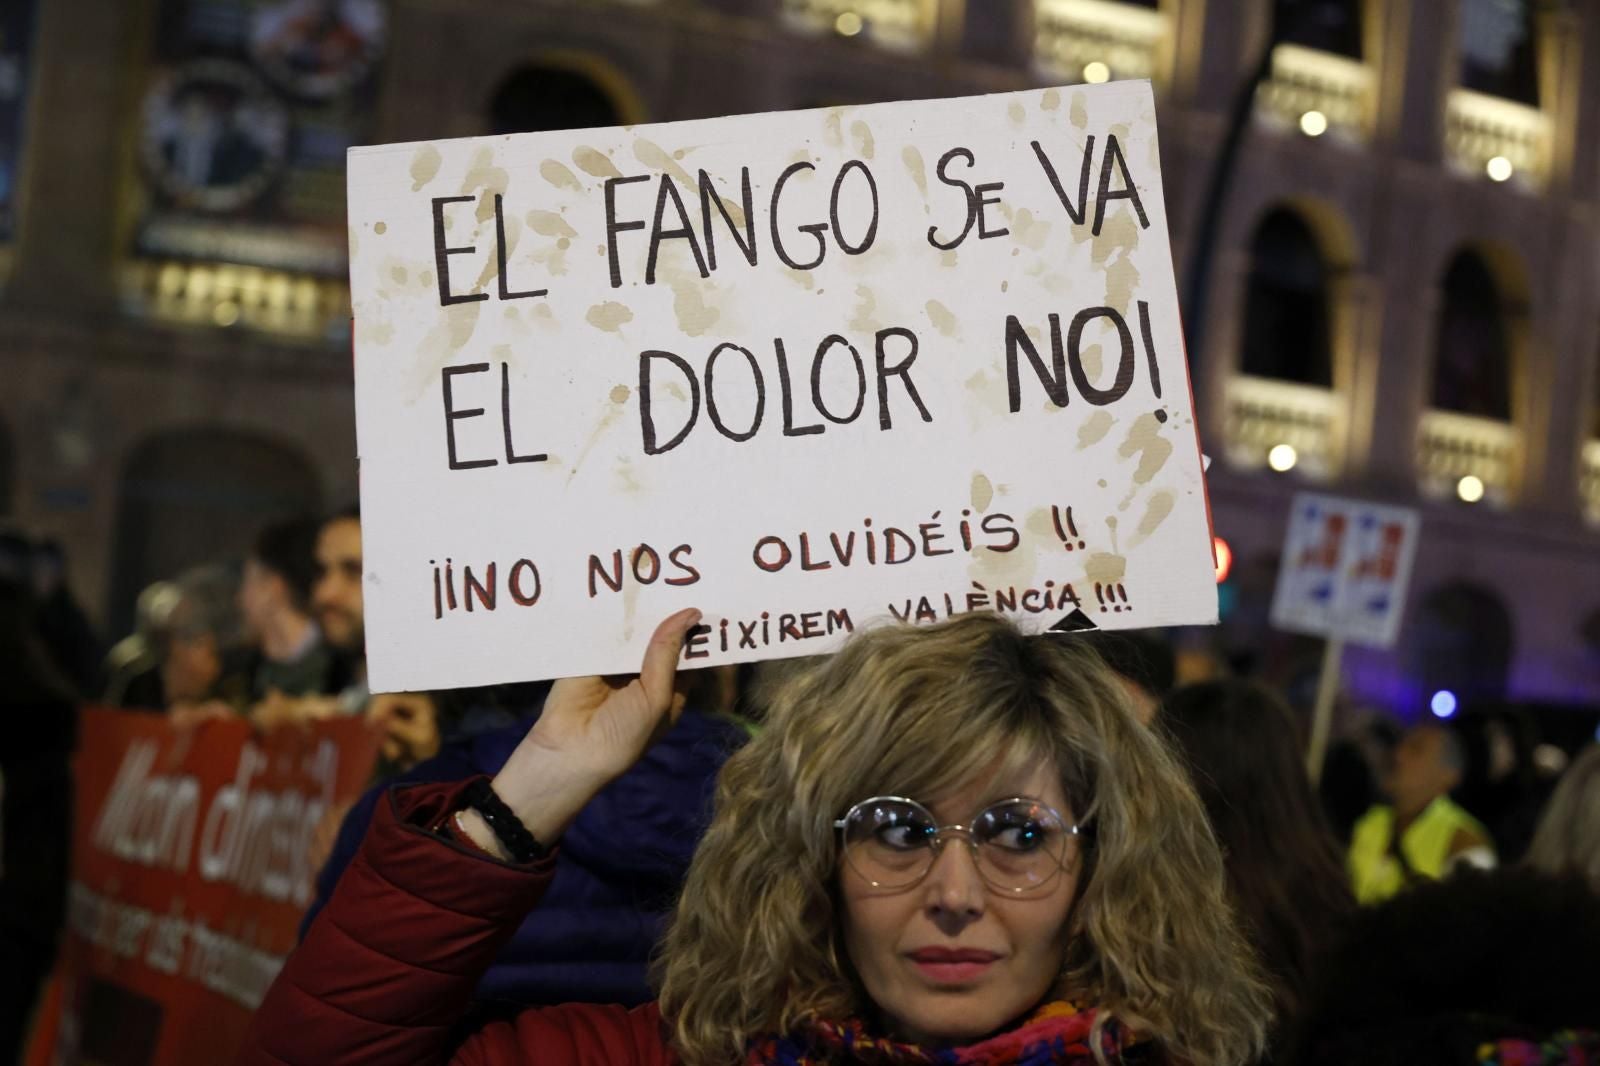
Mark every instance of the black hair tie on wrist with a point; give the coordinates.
(507, 827)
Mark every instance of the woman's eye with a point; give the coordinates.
(904, 837)
(1026, 837)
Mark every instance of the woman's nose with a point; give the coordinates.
(954, 885)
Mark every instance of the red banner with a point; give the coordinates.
(191, 871)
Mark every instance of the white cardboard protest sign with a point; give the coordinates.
(803, 371)
(1346, 569)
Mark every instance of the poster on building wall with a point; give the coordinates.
(191, 869)
(804, 371)
(249, 109)
(17, 22)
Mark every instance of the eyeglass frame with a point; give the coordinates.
(1073, 832)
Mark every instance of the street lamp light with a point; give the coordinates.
(1313, 123)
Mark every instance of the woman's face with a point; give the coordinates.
(951, 959)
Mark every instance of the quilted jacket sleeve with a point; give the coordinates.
(387, 970)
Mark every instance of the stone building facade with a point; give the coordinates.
(1431, 240)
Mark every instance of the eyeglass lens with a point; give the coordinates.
(1018, 845)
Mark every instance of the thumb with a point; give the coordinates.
(660, 667)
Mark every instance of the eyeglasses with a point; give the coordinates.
(1019, 845)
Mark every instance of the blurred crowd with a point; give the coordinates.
(1427, 893)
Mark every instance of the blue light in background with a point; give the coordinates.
(1443, 703)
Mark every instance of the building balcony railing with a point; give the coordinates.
(1468, 457)
(220, 295)
(1285, 426)
(1589, 481)
(1317, 92)
(1096, 40)
(1488, 135)
(897, 25)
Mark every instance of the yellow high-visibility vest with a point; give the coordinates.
(1376, 874)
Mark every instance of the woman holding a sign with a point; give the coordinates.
(952, 844)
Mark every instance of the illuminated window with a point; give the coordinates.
(1094, 41)
(898, 25)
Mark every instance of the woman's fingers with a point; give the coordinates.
(592, 730)
(661, 658)
(606, 722)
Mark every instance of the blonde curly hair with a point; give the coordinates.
(755, 946)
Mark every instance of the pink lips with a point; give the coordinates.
(953, 966)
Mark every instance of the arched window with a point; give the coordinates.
(1326, 25)
(199, 496)
(1499, 49)
(1472, 357)
(539, 99)
(1286, 321)
(1463, 641)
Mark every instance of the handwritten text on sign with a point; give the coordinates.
(799, 370)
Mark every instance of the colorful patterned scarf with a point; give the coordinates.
(1055, 1034)
(1569, 1047)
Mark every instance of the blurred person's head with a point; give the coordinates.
(18, 555)
(1378, 736)
(336, 593)
(38, 666)
(1347, 788)
(1428, 762)
(202, 627)
(276, 582)
(916, 794)
(1568, 838)
(31, 675)
(1145, 664)
(1447, 967)
(49, 569)
(152, 611)
(1284, 868)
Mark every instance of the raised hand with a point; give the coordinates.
(591, 731)
(603, 724)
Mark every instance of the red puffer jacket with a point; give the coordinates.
(388, 968)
